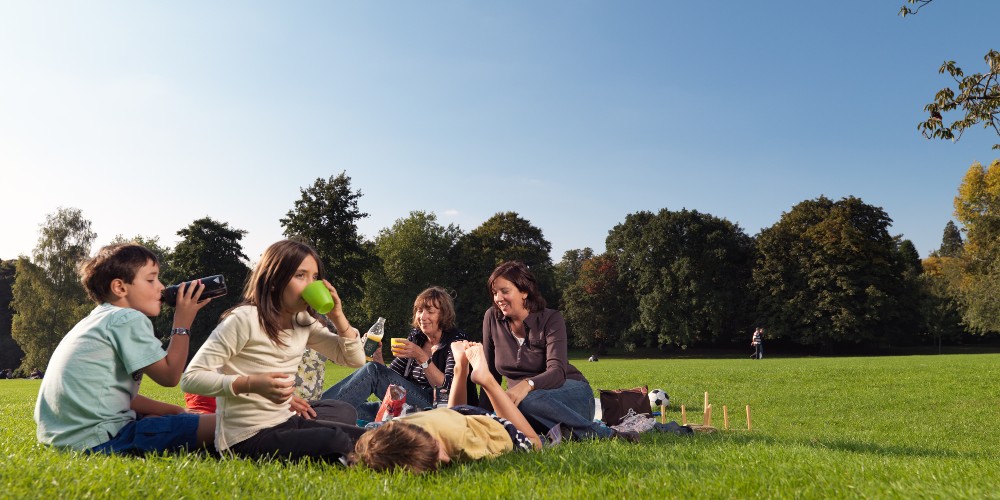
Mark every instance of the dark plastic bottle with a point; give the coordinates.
(215, 286)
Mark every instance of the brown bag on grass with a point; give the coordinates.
(615, 404)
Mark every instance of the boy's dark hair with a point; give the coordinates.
(397, 444)
(118, 261)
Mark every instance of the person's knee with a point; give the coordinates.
(368, 371)
(206, 430)
(532, 402)
(334, 411)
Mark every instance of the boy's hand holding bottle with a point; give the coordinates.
(188, 303)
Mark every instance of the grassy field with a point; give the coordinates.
(903, 427)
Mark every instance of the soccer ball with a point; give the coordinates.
(657, 397)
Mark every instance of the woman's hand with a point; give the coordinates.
(301, 408)
(276, 387)
(519, 392)
(406, 349)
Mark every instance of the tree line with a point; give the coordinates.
(827, 274)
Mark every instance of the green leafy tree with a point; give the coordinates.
(941, 299)
(594, 304)
(413, 255)
(976, 95)
(829, 272)
(65, 240)
(977, 208)
(951, 241)
(688, 271)
(207, 247)
(505, 236)
(909, 258)
(567, 270)
(326, 217)
(10, 353)
(908, 297)
(48, 296)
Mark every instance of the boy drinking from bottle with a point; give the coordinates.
(89, 399)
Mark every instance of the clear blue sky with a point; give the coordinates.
(149, 115)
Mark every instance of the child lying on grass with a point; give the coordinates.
(421, 441)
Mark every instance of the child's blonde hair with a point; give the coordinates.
(397, 444)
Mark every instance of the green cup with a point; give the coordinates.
(317, 296)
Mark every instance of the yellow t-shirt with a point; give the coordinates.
(465, 437)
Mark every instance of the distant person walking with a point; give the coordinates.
(758, 343)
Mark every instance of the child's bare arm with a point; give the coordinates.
(167, 371)
(457, 395)
(336, 315)
(502, 405)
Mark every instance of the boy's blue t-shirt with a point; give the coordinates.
(92, 377)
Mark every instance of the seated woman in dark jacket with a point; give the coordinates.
(423, 363)
(526, 343)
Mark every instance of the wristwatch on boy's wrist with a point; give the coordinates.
(180, 331)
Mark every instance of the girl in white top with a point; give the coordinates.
(250, 359)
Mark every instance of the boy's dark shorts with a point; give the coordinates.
(154, 434)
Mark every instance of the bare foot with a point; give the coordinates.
(480, 371)
(458, 351)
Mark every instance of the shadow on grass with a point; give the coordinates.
(850, 446)
(659, 451)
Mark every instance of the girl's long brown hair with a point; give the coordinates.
(268, 280)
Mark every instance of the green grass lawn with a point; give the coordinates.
(905, 427)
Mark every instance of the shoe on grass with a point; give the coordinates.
(629, 436)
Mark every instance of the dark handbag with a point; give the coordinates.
(615, 404)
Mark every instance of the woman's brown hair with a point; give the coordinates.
(439, 298)
(519, 274)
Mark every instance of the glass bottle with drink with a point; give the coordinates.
(374, 338)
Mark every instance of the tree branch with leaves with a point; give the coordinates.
(977, 95)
